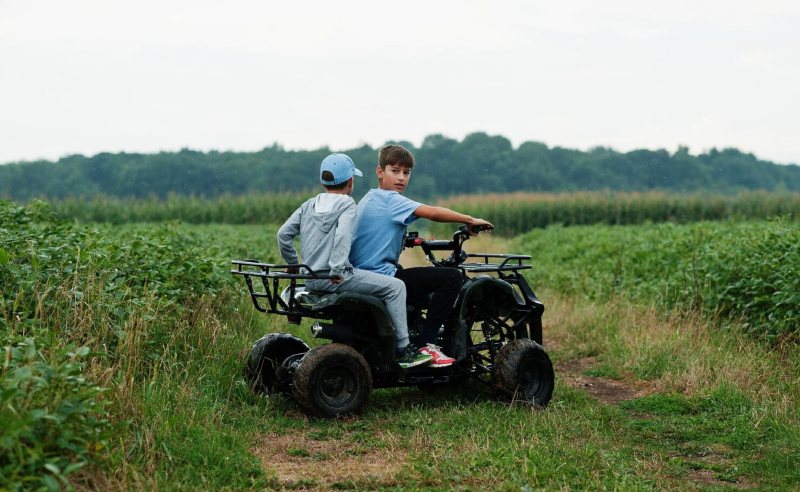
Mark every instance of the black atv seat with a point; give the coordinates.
(317, 300)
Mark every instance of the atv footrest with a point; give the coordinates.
(411, 379)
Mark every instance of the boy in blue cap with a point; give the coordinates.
(383, 217)
(325, 226)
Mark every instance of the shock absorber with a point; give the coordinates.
(489, 332)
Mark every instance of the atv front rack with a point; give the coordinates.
(270, 276)
(509, 262)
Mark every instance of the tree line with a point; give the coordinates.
(480, 163)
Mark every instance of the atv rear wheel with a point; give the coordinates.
(265, 370)
(332, 380)
(523, 372)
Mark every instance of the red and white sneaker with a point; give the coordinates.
(439, 359)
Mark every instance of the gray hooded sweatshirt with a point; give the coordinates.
(325, 226)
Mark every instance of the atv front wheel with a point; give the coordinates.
(523, 372)
(332, 380)
(265, 370)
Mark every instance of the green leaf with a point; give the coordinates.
(3, 257)
(50, 482)
(37, 414)
(74, 467)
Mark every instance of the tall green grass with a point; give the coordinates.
(517, 213)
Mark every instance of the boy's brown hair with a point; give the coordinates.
(328, 176)
(395, 154)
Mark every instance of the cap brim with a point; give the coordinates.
(356, 172)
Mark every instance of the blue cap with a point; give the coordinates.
(341, 166)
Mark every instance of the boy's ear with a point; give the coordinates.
(379, 173)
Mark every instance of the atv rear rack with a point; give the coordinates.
(270, 275)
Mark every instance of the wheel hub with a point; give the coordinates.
(338, 386)
(333, 385)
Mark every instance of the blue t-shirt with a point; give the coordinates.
(381, 220)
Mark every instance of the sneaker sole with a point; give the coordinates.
(407, 365)
(445, 364)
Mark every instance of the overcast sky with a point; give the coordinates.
(85, 76)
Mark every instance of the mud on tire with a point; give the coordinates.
(523, 372)
(332, 380)
(263, 370)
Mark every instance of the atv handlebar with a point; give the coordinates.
(476, 228)
(458, 259)
(454, 245)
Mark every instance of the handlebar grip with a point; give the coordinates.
(480, 228)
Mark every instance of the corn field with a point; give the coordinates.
(516, 213)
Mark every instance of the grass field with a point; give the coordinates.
(650, 394)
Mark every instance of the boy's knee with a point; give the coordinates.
(399, 287)
(396, 286)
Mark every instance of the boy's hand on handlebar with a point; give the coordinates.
(478, 225)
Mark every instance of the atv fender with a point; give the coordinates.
(484, 286)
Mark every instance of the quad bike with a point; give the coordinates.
(494, 332)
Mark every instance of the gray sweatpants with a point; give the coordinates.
(390, 290)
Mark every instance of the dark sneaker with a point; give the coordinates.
(439, 359)
(412, 357)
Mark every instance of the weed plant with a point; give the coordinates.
(53, 417)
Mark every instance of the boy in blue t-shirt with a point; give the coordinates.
(382, 219)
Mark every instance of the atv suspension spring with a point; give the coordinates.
(490, 331)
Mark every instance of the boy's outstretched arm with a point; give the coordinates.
(442, 214)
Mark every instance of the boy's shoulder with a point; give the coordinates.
(379, 204)
(306, 205)
(328, 197)
(303, 206)
(389, 197)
